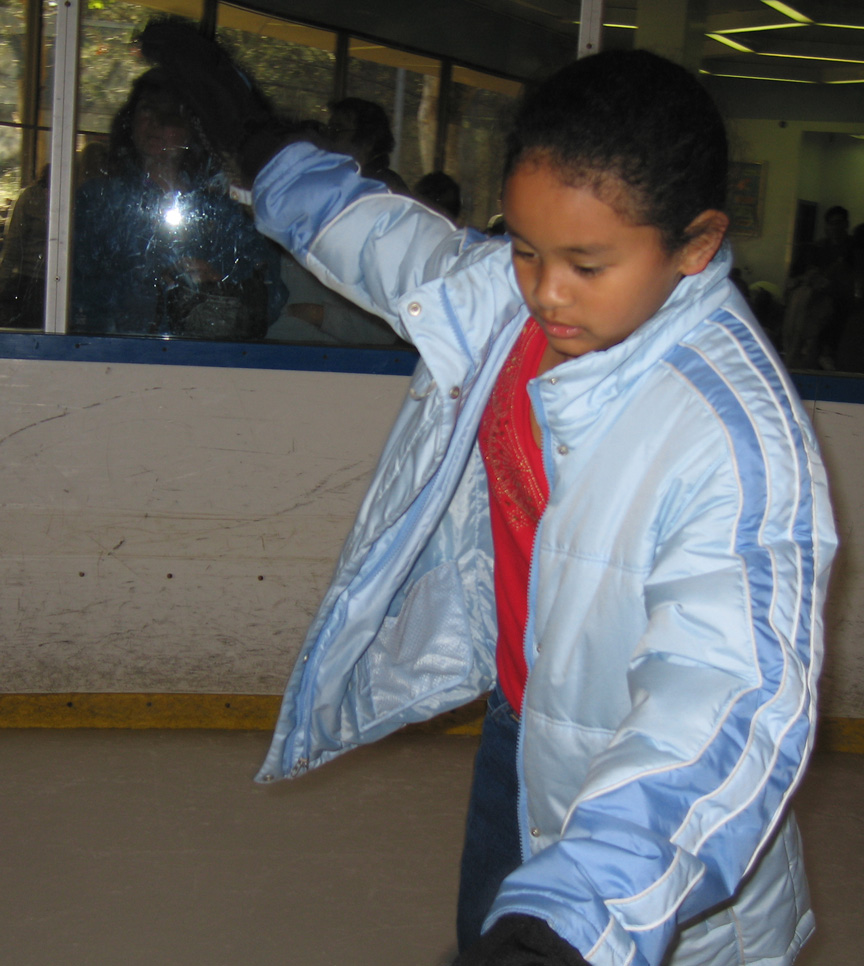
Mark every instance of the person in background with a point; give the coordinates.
(361, 129)
(602, 500)
(821, 296)
(442, 193)
(159, 247)
(22, 260)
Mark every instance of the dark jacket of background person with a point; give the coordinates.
(22, 261)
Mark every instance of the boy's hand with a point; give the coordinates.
(520, 941)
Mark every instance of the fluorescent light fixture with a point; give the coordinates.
(830, 60)
(787, 11)
(770, 26)
(619, 26)
(780, 80)
(841, 26)
(859, 80)
(730, 43)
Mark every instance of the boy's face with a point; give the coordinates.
(589, 276)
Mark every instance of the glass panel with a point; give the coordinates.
(314, 314)
(160, 245)
(294, 65)
(13, 33)
(25, 80)
(480, 110)
(405, 85)
(109, 60)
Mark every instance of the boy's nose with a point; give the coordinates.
(550, 290)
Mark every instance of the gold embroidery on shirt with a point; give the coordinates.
(520, 495)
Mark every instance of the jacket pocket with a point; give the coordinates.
(423, 651)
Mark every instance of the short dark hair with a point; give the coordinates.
(837, 211)
(440, 190)
(635, 119)
(371, 125)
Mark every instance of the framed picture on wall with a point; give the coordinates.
(746, 197)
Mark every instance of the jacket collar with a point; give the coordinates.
(606, 373)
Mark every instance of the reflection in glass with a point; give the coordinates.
(476, 141)
(316, 315)
(362, 129)
(406, 87)
(26, 58)
(294, 65)
(22, 259)
(109, 58)
(159, 246)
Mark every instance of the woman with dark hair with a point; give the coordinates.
(160, 248)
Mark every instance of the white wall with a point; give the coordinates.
(241, 485)
(792, 163)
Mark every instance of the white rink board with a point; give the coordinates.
(172, 528)
(116, 476)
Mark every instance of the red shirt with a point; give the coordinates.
(518, 493)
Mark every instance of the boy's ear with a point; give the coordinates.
(706, 233)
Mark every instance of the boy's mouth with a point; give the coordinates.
(558, 330)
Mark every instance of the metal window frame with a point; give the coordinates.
(590, 27)
(64, 114)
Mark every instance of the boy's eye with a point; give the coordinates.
(588, 271)
(522, 253)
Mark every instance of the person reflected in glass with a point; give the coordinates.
(361, 129)
(23, 257)
(159, 246)
(22, 260)
(441, 193)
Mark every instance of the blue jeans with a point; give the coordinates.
(492, 848)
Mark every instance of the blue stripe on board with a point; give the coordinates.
(145, 350)
(824, 386)
(828, 387)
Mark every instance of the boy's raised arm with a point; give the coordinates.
(351, 232)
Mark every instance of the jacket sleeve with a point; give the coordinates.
(352, 233)
(681, 805)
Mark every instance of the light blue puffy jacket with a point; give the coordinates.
(679, 571)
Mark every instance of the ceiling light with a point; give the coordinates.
(780, 80)
(730, 43)
(787, 11)
(830, 60)
(770, 26)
